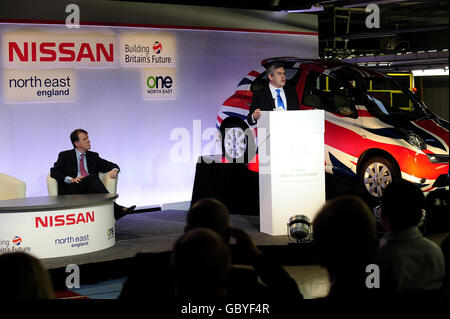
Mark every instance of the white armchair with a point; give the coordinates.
(11, 187)
(110, 183)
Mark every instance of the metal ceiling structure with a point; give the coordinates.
(410, 35)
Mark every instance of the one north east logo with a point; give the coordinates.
(159, 84)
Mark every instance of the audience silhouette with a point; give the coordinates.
(24, 277)
(346, 241)
(445, 246)
(411, 265)
(201, 265)
(213, 263)
(152, 278)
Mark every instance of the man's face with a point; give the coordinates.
(83, 144)
(278, 79)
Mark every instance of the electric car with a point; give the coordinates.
(376, 130)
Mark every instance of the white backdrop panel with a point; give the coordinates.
(130, 131)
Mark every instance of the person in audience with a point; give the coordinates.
(24, 277)
(408, 262)
(201, 263)
(345, 237)
(445, 246)
(209, 213)
(76, 171)
(242, 283)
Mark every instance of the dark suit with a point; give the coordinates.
(67, 165)
(262, 99)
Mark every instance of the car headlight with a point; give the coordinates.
(438, 158)
(416, 141)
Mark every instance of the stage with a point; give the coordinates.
(155, 232)
(233, 184)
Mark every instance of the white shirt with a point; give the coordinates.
(407, 261)
(68, 179)
(275, 99)
(78, 154)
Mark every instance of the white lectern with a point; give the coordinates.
(291, 167)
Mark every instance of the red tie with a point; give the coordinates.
(83, 172)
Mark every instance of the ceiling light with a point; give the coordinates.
(430, 72)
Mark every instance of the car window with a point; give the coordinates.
(392, 98)
(292, 77)
(406, 80)
(324, 92)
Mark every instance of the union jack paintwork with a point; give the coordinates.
(349, 140)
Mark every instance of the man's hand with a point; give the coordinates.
(77, 179)
(257, 114)
(113, 174)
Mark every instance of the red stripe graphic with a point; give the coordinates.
(245, 93)
(238, 101)
(254, 164)
(253, 73)
(428, 189)
(363, 113)
(340, 138)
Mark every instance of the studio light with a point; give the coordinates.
(299, 228)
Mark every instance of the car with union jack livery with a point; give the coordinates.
(376, 130)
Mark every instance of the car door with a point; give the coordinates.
(342, 124)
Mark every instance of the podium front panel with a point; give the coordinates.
(292, 167)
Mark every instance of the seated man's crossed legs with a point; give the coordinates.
(92, 184)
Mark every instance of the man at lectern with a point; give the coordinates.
(276, 96)
(76, 171)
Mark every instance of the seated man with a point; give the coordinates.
(201, 263)
(346, 242)
(408, 261)
(76, 171)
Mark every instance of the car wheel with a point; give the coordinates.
(376, 174)
(235, 142)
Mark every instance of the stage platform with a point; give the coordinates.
(233, 184)
(157, 231)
